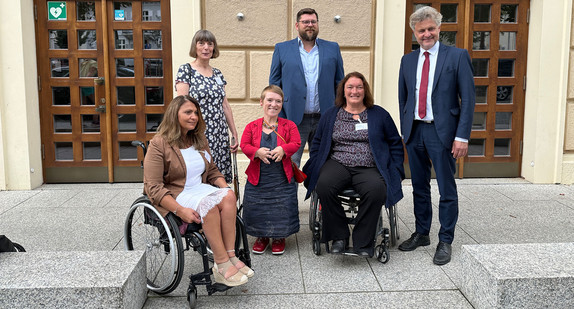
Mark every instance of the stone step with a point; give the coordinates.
(96, 279)
(518, 275)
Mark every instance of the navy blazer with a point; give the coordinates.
(287, 73)
(386, 147)
(452, 94)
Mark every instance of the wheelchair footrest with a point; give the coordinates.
(217, 287)
(204, 278)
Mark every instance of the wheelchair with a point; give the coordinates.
(160, 237)
(350, 201)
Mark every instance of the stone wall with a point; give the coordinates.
(247, 44)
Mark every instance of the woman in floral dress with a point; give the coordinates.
(207, 85)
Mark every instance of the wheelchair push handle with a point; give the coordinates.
(143, 147)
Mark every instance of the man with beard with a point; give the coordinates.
(308, 70)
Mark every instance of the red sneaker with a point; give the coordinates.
(260, 245)
(278, 246)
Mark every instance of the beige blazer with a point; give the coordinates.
(165, 171)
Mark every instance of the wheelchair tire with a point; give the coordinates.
(192, 296)
(382, 253)
(316, 246)
(313, 209)
(146, 230)
(393, 224)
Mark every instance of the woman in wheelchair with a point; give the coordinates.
(181, 177)
(356, 145)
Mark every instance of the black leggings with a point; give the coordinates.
(368, 183)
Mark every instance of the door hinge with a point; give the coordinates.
(524, 82)
(520, 147)
(43, 152)
(528, 16)
(35, 12)
(39, 83)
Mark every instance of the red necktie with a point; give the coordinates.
(424, 87)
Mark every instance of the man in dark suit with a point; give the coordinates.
(436, 100)
(308, 70)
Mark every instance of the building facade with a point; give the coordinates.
(79, 80)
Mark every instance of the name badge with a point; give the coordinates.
(218, 80)
(361, 126)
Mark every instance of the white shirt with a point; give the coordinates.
(433, 56)
(310, 61)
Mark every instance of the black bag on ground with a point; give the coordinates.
(6, 245)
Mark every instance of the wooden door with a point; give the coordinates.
(495, 33)
(104, 73)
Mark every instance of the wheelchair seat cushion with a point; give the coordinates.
(350, 192)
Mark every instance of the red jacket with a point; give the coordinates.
(251, 142)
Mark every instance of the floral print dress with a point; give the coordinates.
(210, 92)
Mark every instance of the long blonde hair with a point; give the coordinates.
(170, 129)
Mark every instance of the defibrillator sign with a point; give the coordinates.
(57, 10)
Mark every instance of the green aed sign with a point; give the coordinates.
(57, 10)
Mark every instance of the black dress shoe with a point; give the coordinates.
(442, 254)
(415, 241)
(338, 246)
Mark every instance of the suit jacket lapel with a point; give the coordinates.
(321, 56)
(443, 51)
(412, 71)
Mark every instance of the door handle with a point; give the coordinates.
(99, 81)
(102, 107)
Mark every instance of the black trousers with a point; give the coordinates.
(369, 184)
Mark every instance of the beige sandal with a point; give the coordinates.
(231, 280)
(241, 266)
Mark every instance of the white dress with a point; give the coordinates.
(199, 196)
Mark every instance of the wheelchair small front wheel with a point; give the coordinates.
(192, 296)
(316, 246)
(382, 253)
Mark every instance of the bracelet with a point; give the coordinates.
(175, 211)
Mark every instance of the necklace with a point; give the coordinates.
(268, 126)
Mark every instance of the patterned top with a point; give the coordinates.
(351, 147)
(210, 93)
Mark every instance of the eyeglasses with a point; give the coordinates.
(309, 22)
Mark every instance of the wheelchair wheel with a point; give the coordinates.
(192, 296)
(393, 224)
(313, 208)
(315, 223)
(382, 253)
(145, 229)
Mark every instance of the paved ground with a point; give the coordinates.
(90, 217)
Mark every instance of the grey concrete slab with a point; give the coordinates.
(64, 229)
(410, 271)
(426, 299)
(96, 279)
(124, 198)
(344, 273)
(49, 198)
(11, 199)
(519, 275)
(481, 193)
(89, 198)
(274, 274)
(491, 211)
(522, 222)
(535, 192)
